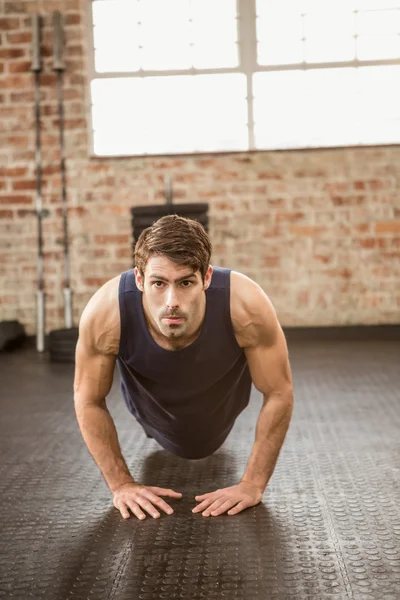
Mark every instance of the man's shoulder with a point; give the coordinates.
(252, 313)
(100, 319)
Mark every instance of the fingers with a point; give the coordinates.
(148, 506)
(215, 508)
(237, 509)
(219, 508)
(158, 501)
(144, 500)
(202, 497)
(165, 492)
(204, 504)
(135, 508)
(123, 510)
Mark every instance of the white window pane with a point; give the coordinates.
(329, 36)
(378, 90)
(331, 107)
(382, 131)
(214, 55)
(116, 35)
(376, 4)
(165, 55)
(280, 50)
(277, 116)
(330, 22)
(117, 105)
(168, 12)
(378, 47)
(219, 117)
(267, 8)
(214, 34)
(327, 107)
(165, 35)
(329, 49)
(313, 6)
(378, 22)
(170, 114)
(220, 10)
(279, 38)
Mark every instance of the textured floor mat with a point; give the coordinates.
(328, 526)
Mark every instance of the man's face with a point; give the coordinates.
(173, 296)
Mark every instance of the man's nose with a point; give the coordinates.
(172, 299)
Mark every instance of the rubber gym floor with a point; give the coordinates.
(328, 525)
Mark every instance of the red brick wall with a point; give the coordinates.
(319, 230)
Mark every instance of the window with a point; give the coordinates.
(186, 76)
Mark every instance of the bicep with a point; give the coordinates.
(93, 376)
(97, 347)
(267, 353)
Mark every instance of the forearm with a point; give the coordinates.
(99, 432)
(271, 428)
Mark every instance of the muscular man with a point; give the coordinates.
(189, 340)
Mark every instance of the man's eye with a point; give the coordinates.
(189, 282)
(155, 283)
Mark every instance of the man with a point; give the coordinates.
(189, 340)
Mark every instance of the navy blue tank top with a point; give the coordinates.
(186, 399)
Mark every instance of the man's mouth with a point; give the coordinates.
(173, 319)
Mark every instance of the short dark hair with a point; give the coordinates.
(181, 240)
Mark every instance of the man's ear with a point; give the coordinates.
(139, 279)
(208, 277)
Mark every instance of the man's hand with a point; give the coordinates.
(233, 499)
(136, 497)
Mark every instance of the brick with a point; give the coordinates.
(13, 171)
(94, 282)
(389, 227)
(23, 213)
(124, 253)
(362, 228)
(15, 200)
(19, 37)
(52, 5)
(23, 97)
(24, 185)
(349, 200)
(48, 79)
(19, 67)
(112, 239)
(290, 217)
(338, 187)
(17, 141)
(323, 258)
(72, 19)
(378, 184)
(9, 53)
(51, 169)
(6, 214)
(310, 172)
(271, 261)
(307, 230)
(359, 185)
(17, 81)
(72, 5)
(269, 175)
(14, 7)
(73, 211)
(8, 23)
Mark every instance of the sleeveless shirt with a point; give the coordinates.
(186, 399)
